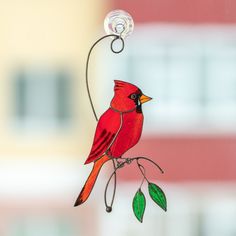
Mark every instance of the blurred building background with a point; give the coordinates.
(182, 53)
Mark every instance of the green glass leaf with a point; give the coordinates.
(157, 195)
(139, 204)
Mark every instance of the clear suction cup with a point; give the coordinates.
(119, 22)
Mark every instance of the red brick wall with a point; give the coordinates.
(187, 158)
(192, 11)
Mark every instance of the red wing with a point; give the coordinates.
(107, 127)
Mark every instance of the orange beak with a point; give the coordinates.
(144, 98)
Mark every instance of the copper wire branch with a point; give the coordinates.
(121, 162)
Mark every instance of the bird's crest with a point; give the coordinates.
(122, 85)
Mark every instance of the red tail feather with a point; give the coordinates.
(88, 186)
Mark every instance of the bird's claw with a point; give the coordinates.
(128, 160)
(120, 164)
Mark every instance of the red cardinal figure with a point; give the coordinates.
(118, 130)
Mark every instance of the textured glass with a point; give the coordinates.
(119, 128)
(157, 195)
(139, 204)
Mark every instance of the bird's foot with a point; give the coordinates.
(120, 164)
(128, 160)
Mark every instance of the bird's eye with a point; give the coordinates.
(133, 96)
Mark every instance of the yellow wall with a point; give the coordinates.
(50, 33)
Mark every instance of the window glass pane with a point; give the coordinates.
(42, 98)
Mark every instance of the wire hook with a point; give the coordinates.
(87, 64)
(117, 37)
(122, 42)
